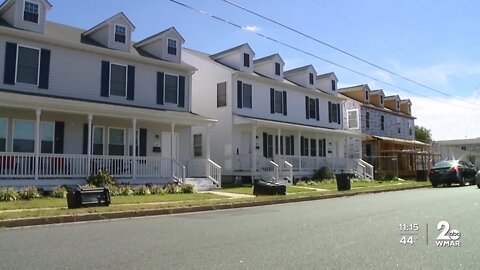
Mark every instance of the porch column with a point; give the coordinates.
(317, 150)
(333, 156)
(253, 156)
(279, 133)
(134, 154)
(172, 138)
(299, 156)
(89, 144)
(38, 113)
(207, 150)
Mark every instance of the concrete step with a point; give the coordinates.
(201, 184)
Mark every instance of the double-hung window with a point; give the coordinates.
(172, 46)
(30, 12)
(98, 140)
(381, 99)
(28, 60)
(310, 77)
(171, 89)
(313, 147)
(221, 94)
(23, 136)
(120, 33)
(246, 60)
(3, 134)
(277, 69)
(382, 122)
(47, 137)
(352, 119)
(278, 101)
(116, 141)
(367, 119)
(334, 85)
(197, 145)
(312, 108)
(334, 111)
(247, 95)
(367, 95)
(118, 80)
(399, 125)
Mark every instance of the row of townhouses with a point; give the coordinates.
(74, 101)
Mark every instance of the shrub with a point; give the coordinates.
(59, 192)
(173, 189)
(158, 190)
(187, 188)
(142, 190)
(125, 190)
(8, 194)
(380, 175)
(101, 179)
(28, 193)
(301, 183)
(87, 186)
(323, 174)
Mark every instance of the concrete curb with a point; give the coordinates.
(177, 210)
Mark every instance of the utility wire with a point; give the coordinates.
(342, 51)
(308, 53)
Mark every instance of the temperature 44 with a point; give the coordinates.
(408, 240)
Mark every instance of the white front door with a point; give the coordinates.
(245, 146)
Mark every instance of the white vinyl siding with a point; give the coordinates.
(28, 62)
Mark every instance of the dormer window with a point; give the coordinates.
(398, 105)
(366, 95)
(30, 12)
(172, 46)
(409, 108)
(311, 78)
(120, 33)
(277, 69)
(381, 99)
(334, 85)
(246, 60)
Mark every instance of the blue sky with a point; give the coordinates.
(432, 42)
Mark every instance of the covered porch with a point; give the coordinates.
(294, 150)
(48, 141)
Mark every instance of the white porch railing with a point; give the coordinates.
(214, 172)
(268, 169)
(200, 167)
(365, 169)
(286, 171)
(55, 166)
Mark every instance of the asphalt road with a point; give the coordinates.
(359, 232)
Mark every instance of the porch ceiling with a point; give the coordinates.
(398, 141)
(243, 120)
(56, 104)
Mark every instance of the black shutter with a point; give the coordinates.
(10, 62)
(131, 83)
(324, 148)
(292, 146)
(44, 69)
(284, 102)
(85, 138)
(143, 142)
(338, 112)
(307, 108)
(329, 112)
(59, 137)
(272, 100)
(160, 86)
(105, 83)
(181, 91)
(265, 147)
(317, 109)
(302, 146)
(239, 94)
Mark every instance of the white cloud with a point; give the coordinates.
(252, 28)
(449, 118)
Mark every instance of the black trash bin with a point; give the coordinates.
(88, 197)
(422, 175)
(268, 188)
(343, 181)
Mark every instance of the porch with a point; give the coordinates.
(49, 141)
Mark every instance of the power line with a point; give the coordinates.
(307, 53)
(342, 51)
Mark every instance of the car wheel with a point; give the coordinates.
(461, 181)
(436, 185)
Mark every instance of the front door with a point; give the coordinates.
(167, 145)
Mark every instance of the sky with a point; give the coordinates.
(433, 43)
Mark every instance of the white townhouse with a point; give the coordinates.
(74, 101)
(272, 124)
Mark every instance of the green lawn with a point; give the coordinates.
(249, 190)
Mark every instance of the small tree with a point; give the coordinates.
(423, 134)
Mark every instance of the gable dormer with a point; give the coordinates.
(393, 103)
(166, 45)
(406, 106)
(377, 98)
(25, 14)
(360, 93)
(304, 76)
(113, 33)
(270, 66)
(239, 58)
(328, 82)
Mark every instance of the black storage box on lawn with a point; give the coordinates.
(343, 181)
(268, 188)
(88, 197)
